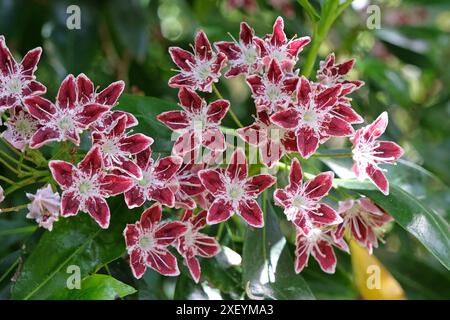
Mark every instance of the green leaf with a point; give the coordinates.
(96, 287)
(268, 267)
(75, 241)
(423, 223)
(145, 109)
(310, 10)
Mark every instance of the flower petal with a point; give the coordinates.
(134, 197)
(296, 174)
(377, 176)
(174, 120)
(301, 253)
(320, 185)
(164, 196)
(63, 172)
(135, 143)
(163, 262)
(202, 46)
(67, 93)
(325, 215)
(250, 211)
(219, 211)
(237, 168)
(213, 139)
(194, 268)
(296, 46)
(287, 119)
(278, 36)
(166, 168)
(389, 151)
(257, 184)
(182, 58)
(137, 263)
(167, 233)
(90, 113)
(110, 94)
(85, 88)
(70, 204)
(337, 127)
(40, 108)
(190, 100)
(151, 216)
(207, 246)
(307, 142)
(113, 185)
(131, 234)
(30, 61)
(92, 162)
(43, 136)
(98, 209)
(212, 180)
(376, 128)
(217, 111)
(324, 254)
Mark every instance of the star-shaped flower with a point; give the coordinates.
(274, 90)
(363, 218)
(277, 46)
(117, 146)
(20, 127)
(67, 118)
(272, 140)
(198, 123)
(86, 186)
(147, 241)
(301, 200)
(319, 243)
(17, 80)
(157, 181)
(243, 56)
(369, 153)
(200, 70)
(187, 185)
(234, 192)
(193, 243)
(312, 117)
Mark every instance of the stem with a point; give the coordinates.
(264, 209)
(14, 209)
(11, 268)
(36, 176)
(220, 231)
(7, 165)
(6, 180)
(233, 115)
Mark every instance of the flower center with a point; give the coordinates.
(272, 92)
(85, 187)
(250, 55)
(203, 71)
(235, 191)
(14, 85)
(23, 126)
(65, 123)
(310, 117)
(147, 242)
(110, 147)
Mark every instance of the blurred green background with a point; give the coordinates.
(405, 65)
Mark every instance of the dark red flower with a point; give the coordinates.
(200, 70)
(86, 186)
(272, 140)
(117, 146)
(368, 153)
(198, 123)
(193, 243)
(67, 118)
(187, 185)
(274, 90)
(147, 241)
(301, 200)
(234, 192)
(17, 80)
(156, 182)
(312, 117)
(243, 56)
(362, 218)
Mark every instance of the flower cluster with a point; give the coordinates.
(293, 115)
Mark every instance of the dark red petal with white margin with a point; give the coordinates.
(213, 139)
(98, 209)
(131, 234)
(289, 142)
(92, 162)
(137, 263)
(128, 167)
(337, 127)
(134, 197)
(271, 152)
(7, 62)
(274, 73)
(63, 172)
(151, 216)
(256, 84)
(181, 80)
(135, 143)
(212, 180)
(304, 91)
(85, 88)
(296, 174)
(219, 211)
(40, 108)
(281, 197)
(42, 136)
(70, 204)
(164, 196)
(186, 143)
(230, 49)
(278, 36)
(217, 111)
(346, 113)
(307, 142)
(217, 65)
(67, 93)
(325, 215)
(182, 58)
(202, 46)
(319, 186)
(324, 254)
(207, 246)
(287, 119)
(163, 262)
(328, 97)
(113, 185)
(246, 34)
(257, 184)
(250, 211)
(187, 215)
(110, 94)
(174, 120)
(378, 178)
(192, 185)
(90, 113)
(167, 233)
(389, 151)
(194, 268)
(190, 100)
(237, 168)
(296, 46)
(376, 128)
(252, 134)
(30, 61)
(301, 253)
(167, 167)
(34, 88)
